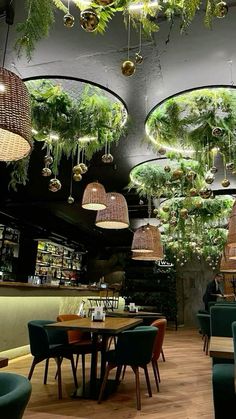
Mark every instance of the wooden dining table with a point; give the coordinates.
(110, 327)
(221, 347)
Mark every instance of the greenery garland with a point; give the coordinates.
(41, 15)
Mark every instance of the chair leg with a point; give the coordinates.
(157, 370)
(73, 370)
(155, 375)
(118, 373)
(204, 342)
(123, 374)
(207, 344)
(83, 371)
(76, 361)
(34, 362)
(58, 362)
(103, 386)
(147, 380)
(46, 371)
(163, 356)
(138, 397)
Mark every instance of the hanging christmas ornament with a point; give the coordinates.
(173, 213)
(138, 58)
(77, 177)
(89, 20)
(177, 174)
(230, 166)
(217, 132)
(167, 169)
(225, 183)
(54, 185)
(77, 169)
(48, 159)
(193, 192)
(184, 213)
(70, 200)
(107, 158)
(205, 193)
(209, 178)
(83, 168)
(128, 68)
(46, 171)
(69, 20)
(173, 221)
(213, 169)
(162, 150)
(165, 208)
(221, 9)
(191, 175)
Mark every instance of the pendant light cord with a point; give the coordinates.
(5, 46)
(128, 36)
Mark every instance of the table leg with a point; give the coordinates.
(103, 356)
(93, 370)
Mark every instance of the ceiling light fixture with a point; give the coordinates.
(94, 197)
(116, 215)
(157, 253)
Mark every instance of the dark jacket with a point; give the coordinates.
(210, 290)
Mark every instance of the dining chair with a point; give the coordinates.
(46, 344)
(133, 348)
(15, 391)
(204, 324)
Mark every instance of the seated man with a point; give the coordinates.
(213, 290)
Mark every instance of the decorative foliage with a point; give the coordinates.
(200, 122)
(65, 124)
(41, 14)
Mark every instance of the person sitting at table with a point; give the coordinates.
(213, 290)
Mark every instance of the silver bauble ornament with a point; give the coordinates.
(209, 178)
(205, 193)
(77, 169)
(225, 183)
(83, 168)
(107, 158)
(221, 9)
(217, 132)
(46, 171)
(213, 169)
(191, 175)
(68, 20)
(138, 58)
(70, 200)
(48, 159)
(173, 213)
(167, 168)
(173, 221)
(161, 150)
(89, 20)
(229, 166)
(54, 185)
(193, 192)
(77, 177)
(128, 68)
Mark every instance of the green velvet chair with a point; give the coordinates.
(224, 396)
(204, 324)
(15, 391)
(46, 344)
(134, 348)
(221, 319)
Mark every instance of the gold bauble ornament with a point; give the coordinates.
(225, 183)
(229, 166)
(184, 213)
(128, 68)
(104, 3)
(191, 175)
(173, 221)
(217, 132)
(46, 172)
(138, 58)
(83, 168)
(177, 174)
(209, 178)
(205, 193)
(77, 177)
(167, 168)
(77, 169)
(70, 200)
(213, 169)
(89, 20)
(162, 150)
(221, 9)
(193, 192)
(107, 158)
(165, 208)
(69, 20)
(54, 185)
(173, 213)
(48, 159)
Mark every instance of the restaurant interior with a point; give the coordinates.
(117, 209)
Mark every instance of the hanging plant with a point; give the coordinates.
(41, 16)
(63, 124)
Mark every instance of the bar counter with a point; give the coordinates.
(21, 302)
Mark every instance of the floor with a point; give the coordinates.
(185, 389)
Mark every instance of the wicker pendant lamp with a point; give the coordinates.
(232, 253)
(94, 197)
(157, 253)
(15, 119)
(143, 240)
(116, 215)
(231, 240)
(228, 264)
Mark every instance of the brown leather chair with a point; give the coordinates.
(158, 349)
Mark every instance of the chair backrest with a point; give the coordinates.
(74, 336)
(15, 391)
(161, 326)
(41, 339)
(204, 323)
(134, 347)
(221, 319)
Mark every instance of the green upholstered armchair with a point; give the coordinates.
(204, 324)
(15, 391)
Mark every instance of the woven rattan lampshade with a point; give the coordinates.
(232, 253)
(116, 215)
(94, 197)
(15, 119)
(157, 253)
(231, 240)
(143, 240)
(227, 264)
